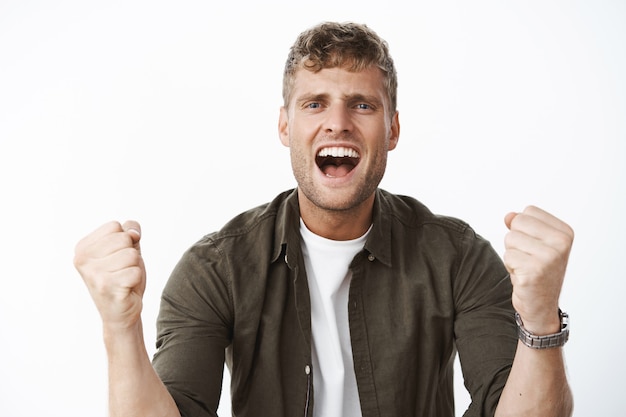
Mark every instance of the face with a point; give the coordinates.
(339, 129)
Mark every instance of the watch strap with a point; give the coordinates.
(544, 342)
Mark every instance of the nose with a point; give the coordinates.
(338, 119)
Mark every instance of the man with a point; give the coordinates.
(338, 298)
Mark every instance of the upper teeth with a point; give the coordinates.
(338, 152)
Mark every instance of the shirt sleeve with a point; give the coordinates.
(484, 324)
(193, 330)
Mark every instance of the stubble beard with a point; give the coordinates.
(337, 200)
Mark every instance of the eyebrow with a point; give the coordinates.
(311, 97)
(357, 97)
(364, 98)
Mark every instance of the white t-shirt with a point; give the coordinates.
(327, 263)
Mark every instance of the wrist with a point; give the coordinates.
(545, 340)
(115, 335)
(542, 326)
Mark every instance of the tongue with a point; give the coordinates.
(337, 170)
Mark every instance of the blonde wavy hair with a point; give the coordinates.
(348, 45)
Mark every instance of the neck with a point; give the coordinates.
(337, 224)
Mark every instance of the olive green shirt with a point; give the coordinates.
(423, 288)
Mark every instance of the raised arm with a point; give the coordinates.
(537, 248)
(109, 260)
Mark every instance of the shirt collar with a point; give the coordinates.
(287, 228)
(287, 243)
(378, 241)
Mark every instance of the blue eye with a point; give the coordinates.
(313, 105)
(363, 106)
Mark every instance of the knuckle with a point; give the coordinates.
(505, 257)
(122, 240)
(135, 275)
(562, 242)
(131, 256)
(79, 260)
(508, 239)
(113, 226)
(99, 285)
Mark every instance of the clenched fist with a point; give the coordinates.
(109, 261)
(537, 249)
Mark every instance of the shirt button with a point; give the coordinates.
(307, 369)
(371, 257)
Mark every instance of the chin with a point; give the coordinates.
(338, 200)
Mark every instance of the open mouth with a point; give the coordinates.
(337, 161)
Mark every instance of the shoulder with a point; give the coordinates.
(413, 230)
(256, 228)
(413, 214)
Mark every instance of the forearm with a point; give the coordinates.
(134, 387)
(537, 385)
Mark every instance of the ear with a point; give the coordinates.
(283, 126)
(395, 132)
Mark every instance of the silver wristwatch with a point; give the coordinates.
(547, 341)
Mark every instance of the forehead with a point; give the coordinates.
(339, 81)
